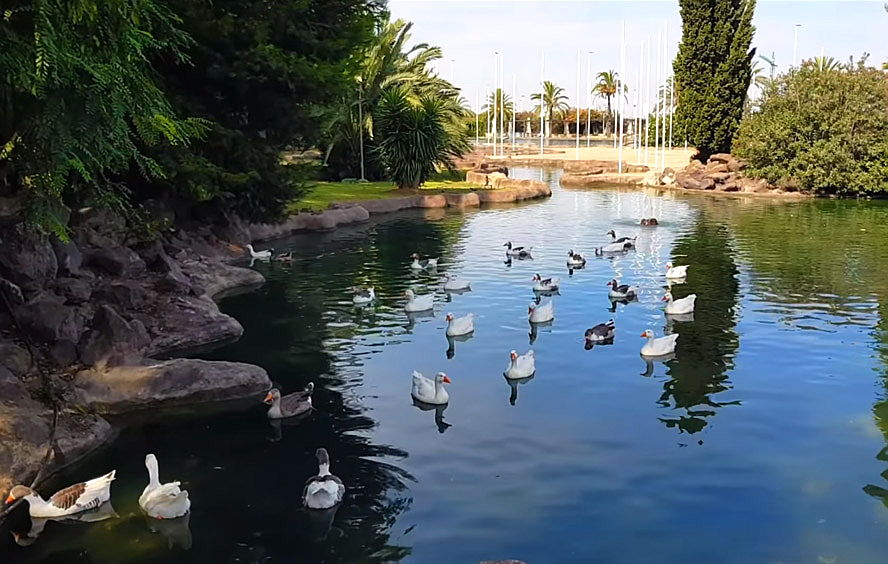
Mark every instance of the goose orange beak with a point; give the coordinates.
(269, 398)
(642, 335)
(9, 499)
(446, 379)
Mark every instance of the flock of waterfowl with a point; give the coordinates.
(325, 490)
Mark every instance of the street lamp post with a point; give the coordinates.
(795, 44)
(361, 124)
(588, 98)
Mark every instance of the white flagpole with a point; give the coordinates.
(589, 99)
(647, 106)
(542, 108)
(665, 79)
(502, 109)
(514, 107)
(477, 112)
(495, 62)
(620, 102)
(657, 103)
(577, 155)
(671, 104)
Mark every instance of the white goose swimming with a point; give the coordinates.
(545, 284)
(614, 238)
(363, 296)
(460, 325)
(523, 366)
(541, 313)
(418, 303)
(681, 305)
(430, 391)
(454, 284)
(519, 252)
(658, 346)
(323, 490)
(621, 291)
(676, 272)
(264, 255)
(575, 260)
(422, 264)
(162, 501)
(69, 501)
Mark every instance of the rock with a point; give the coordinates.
(168, 383)
(24, 440)
(75, 290)
(434, 201)
(731, 187)
(716, 167)
(651, 179)
(68, 257)
(111, 340)
(462, 200)
(719, 176)
(735, 165)
(217, 278)
(14, 358)
(48, 319)
(12, 390)
(12, 291)
(126, 295)
(11, 210)
(688, 182)
(723, 158)
(117, 261)
(63, 353)
(324, 221)
(29, 263)
(188, 322)
(707, 183)
(174, 283)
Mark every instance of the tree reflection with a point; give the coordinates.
(707, 346)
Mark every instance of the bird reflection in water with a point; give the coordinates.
(534, 328)
(320, 524)
(451, 343)
(276, 426)
(176, 531)
(414, 316)
(439, 413)
(650, 360)
(513, 384)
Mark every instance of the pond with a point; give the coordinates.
(762, 440)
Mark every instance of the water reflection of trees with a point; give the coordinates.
(292, 320)
(706, 347)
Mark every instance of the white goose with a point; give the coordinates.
(541, 313)
(545, 284)
(69, 501)
(323, 490)
(460, 325)
(422, 264)
(263, 255)
(575, 260)
(363, 296)
(162, 501)
(418, 303)
(430, 391)
(523, 366)
(676, 272)
(681, 305)
(454, 284)
(658, 346)
(613, 248)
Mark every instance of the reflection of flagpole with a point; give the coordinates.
(622, 97)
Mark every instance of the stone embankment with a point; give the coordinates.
(96, 310)
(496, 188)
(722, 173)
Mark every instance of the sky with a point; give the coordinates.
(469, 32)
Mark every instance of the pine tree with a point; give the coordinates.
(713, 70)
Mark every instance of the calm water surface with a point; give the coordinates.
(763, 440)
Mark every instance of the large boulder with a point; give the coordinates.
(76, 291)
(169, 383)
(126, 295)
(14, 358)
(48, 319)
(27, 260)
(111, 340)
(185, 323)
(116, 261)
(68, 257)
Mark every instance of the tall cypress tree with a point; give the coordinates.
(712, 71)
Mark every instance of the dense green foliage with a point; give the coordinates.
(821, 128)
(105, 102)
(713, 71)
(415, 136)
(385, 64)
(79, 101)
(269, 76)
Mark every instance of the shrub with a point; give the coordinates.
(822, 130)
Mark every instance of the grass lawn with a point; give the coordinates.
(322, 194)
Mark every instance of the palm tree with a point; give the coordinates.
(497, 100)
(826, 63)
(607, 87)
(554, 100)
(416, 135)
